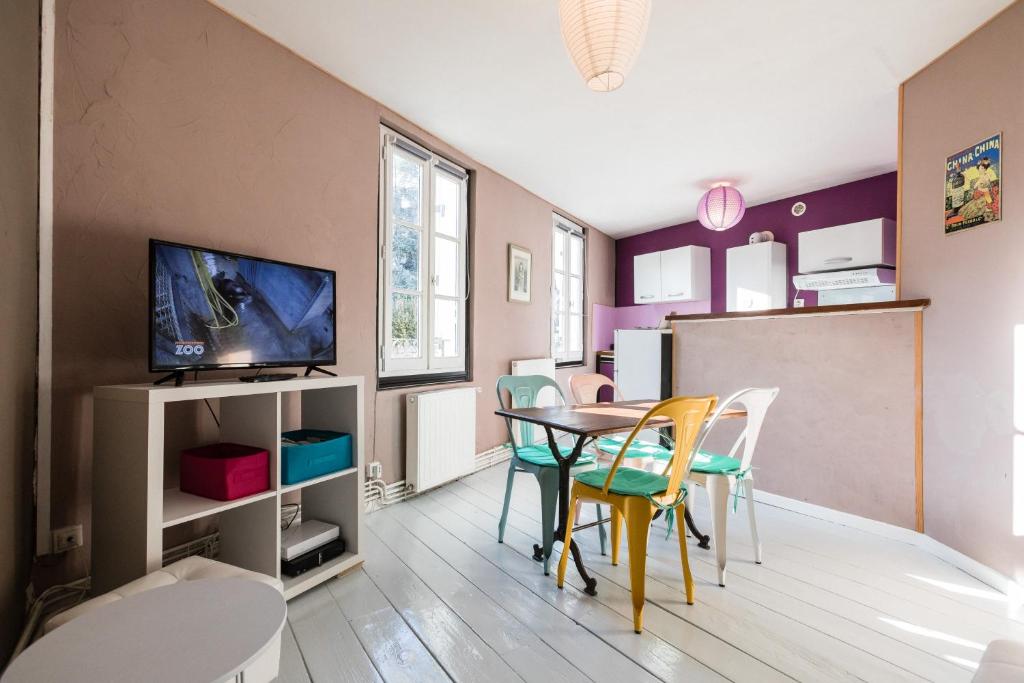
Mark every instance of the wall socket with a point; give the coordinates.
(67, 538)
(798, 303)
(374, 470)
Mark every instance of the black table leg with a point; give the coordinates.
(703, 541)
(564, 465)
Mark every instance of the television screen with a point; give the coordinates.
(211, 309)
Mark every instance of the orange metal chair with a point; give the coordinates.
(636, 495)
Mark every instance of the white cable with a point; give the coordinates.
(53, 594)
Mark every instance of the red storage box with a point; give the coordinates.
(225, 471)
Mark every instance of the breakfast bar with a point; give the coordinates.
(846, 429)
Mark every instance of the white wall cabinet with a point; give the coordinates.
(755, 277)
(681, 274)
(864, 244)
(647, 278)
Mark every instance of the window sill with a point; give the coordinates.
(570, 364)
(408, 381)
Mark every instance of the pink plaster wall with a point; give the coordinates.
(19, 173)
(973, 444)
(176, 121)
(841, 432)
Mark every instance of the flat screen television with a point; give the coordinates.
(211, 310)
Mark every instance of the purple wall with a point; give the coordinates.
(858, 201)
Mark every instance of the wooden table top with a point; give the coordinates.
(595, 419)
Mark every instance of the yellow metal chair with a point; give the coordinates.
(636, 495)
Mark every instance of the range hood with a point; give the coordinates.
(844, 279)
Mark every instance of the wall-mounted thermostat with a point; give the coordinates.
(798, 209)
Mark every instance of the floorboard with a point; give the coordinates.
(440, 599)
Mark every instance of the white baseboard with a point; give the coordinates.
(896, 533)
(968, 565)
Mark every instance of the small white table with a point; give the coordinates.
(207, 630)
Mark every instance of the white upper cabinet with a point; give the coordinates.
(845, 247)
(755, 277)
(681, 274)
(647, 278)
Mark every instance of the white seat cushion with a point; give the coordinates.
(1003, 662)
(189, 569)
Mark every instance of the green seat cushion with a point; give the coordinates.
(540, 455)
(709, 463)
(628, 481)
(638, 449)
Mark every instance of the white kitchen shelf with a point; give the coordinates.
(286, 488)
(181, 507)
(132, 505)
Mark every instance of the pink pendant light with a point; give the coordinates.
(720, 208)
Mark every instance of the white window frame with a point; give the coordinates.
(561, 271)
(433, 166)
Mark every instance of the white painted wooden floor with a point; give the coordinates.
(438, 598)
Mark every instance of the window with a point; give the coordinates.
(568, 265)
(422, 273)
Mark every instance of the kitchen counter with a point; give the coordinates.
(845, 309)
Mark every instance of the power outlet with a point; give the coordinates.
(374, 470)
(798, 303)
(67, 538)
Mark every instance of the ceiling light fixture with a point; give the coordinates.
(603, 38)
(721, 207)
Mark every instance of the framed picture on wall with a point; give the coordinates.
(973, 188)
(520, 274)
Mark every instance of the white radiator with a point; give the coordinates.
(440, 436)
(547, 397)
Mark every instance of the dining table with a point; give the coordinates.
(586, 422)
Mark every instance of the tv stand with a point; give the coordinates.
(310, 369)
(178, 376)
(137, 442)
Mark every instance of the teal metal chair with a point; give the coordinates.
(537, 459)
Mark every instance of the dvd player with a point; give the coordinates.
(301, 538)
(314, 558)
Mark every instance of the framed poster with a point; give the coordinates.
(520, 274)
(973, 191)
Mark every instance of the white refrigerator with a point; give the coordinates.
(643, 363)
(643, 367)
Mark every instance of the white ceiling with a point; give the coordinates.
(778, 96)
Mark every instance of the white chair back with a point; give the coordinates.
(756, 403)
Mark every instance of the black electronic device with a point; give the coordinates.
(314, 558)
(273, 377)
(212, 310)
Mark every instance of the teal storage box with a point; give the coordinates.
(324, 453)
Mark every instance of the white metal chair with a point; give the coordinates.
(719, 473)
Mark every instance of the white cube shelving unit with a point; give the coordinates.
(132, 508)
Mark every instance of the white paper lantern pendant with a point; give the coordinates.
(603, 38)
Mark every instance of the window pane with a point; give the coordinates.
(558, 250)
(446, 267)
(446, 205)
(576, 255)
(408, 188)
(446, 328)
(557, 302)
(558, 335)
(575, 335)
(405, 258)
(575, 295)
(405, 326)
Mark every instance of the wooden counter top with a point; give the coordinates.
(844, 309)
